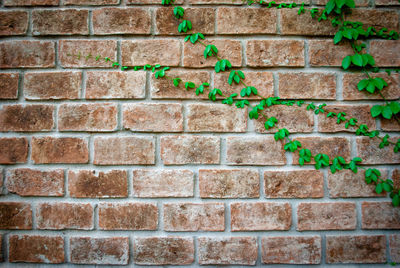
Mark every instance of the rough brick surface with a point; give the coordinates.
(9, 85)
(31, 2)
(380, 215)
(385, 52)
(304, 24)
(13, 150)
(394, 245)
(325, 53)
(13, 23)
(90, 2)
(369, 151)
(15, 215)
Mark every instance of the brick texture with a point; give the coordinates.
(13, 23)
(15, 215)
(13, 150)
(379, 215)
(9, 85)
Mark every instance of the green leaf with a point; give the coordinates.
(362, 84)
(330, 6)
(396, 200)
(356, 59)
(338, 37)
(386, 187)
(350, 3)
(387, 112)
(340, 3)
(346, 62)
(178, 12)
(376, 110)
(230, 79)
(395, 107)
(379, 188)
(189, 85)
(217, 67)
(176, 81)
(241, 74)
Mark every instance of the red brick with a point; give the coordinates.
(15, 216)
(387, 3)
(369, 151)
(60, 22)
(13, 23)
(121, 21)
(13, 150)
(90, 2)
(104, 251)
(356, 249)
(326, 53)
(149, 2)
(326, 216)
(36, 249)
(293, 24)
(386, 53)
(396, 178)
(1, 249)
(8, 3)
(61, 216)
(291, 250)
(180, 150)
(52, 85)
(163, 183)
(227, 251)
(128, 216)
(254, 151)
(90, 184)
(124, 151)
(153, 117)
(380, 215)
(260, 216)
(358, 3)
(1, 192)
(27, 54)
(194, 217)
(262, 53)
(46, 150)
(163, 251)
(9, 85)
(69, 49)
(232, 183)
(390, 125)
(33, 182)
(216, 2)
(394, 245)
(379, 19)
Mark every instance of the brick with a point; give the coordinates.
(149, 2)
(60, 22)
(380, 215)
(396, 178)
(293, 24)
(13, 150)
(104, 250)
(326, 216)
(194, 217)
(15, 216)
(90, 2)
(385, 52)
(90, 184)
(128, 216)
(61, 216)
(227, 49)
(142, 52)
(36, 249)
(358, 3)
(229, 183)
(307, 86)
(216, 2)
(9, 85)
(121, 21)
(27, 54)
(52, 85)
(124, 151)
(69, 49)
(390, 125)
(356, 249)
(13, 23)
(203, 19)
(8, 3)
(387, 3)
(215, 118)
(153, 117)
(254, 151)
(163, 251)
(227, 251)
(47, 150)
(294, 184)
(163, 183)
(394, 245)
(115, 85)
(379, 19)
(291, 250)
(260, 216)
(246, 21)
(1, 249)
(180, 150)
(325, 53)
(369, 151)
(1, 192)
(262, 53)
(33, 182)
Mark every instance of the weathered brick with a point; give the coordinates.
(15, 215)
(47, 150)
(229, 183)
(291, 250)
(142, 52)
(60, 22)
(254, 151)
(396, 178)
(293, 24)
(52, 85)
(1, 192)
(262, 53)
(128, 216)
(124, 151)
(121, 21)
(260, 216)
(369, 151)
(36, 249)
(227, 49)
(387, 3)
(104, 251)
(307, 86)
(13, 150)
(27, 54)
(153, 117)
(386, 53)
(246, 21)
(70, 49)
(390, 125)
(294, 184)
(227, 251)
(1, 249)
(379, 19)
(33, 182)
(90, 2)
(163, 183)
(356, 249)
(194, 217)
(380, 215)
(149, 2)
(394, 245)
(326, 53)
(326, 216)
(13, 23)
(9, 3)
(89, 184)
(61, 216)
(180, 150)
(163, 251)
(358, 3)
(9, 85)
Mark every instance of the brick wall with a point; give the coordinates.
(100, 166)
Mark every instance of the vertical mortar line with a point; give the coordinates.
(30, 23)
(184, 117)
(95, 217)
(359, 215)
(147, 87)
(196, 250)
(215, 20)
(90, 22)
(196, 180)
(157, 153)
(66, 247)
(29, 157)
(262, 185)
(21, 81)
(83, 85)
(223, 151)
(339, 86)
(152, 22)
(316, 123)
(323, 248)
(90, 140)
(353, 147)
(275, 84)
(120, 125)
(259, 251)
(306, 54)
(130, 183)
(278, 21)
(119, 56)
